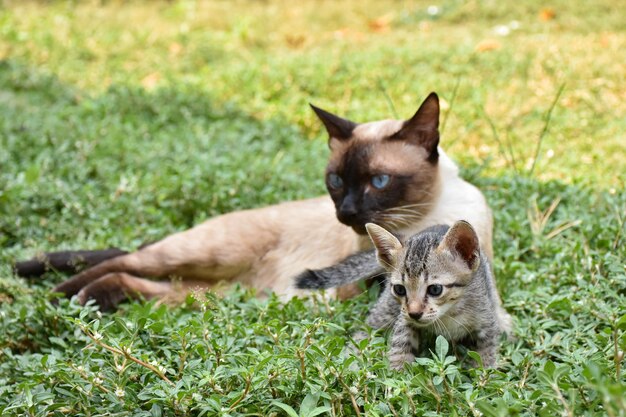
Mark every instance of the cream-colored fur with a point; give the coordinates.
(458, 200)
(266, 248)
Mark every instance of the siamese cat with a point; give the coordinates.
(390, 172)
(438, 282)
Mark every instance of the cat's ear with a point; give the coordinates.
(336, 127)
(387, 246)
(462, 242)
(423, 128)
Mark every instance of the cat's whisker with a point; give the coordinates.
(403, 217)
(409, 206)
(409, 214)
(403, 210)
(428, 193)
(390, 222)
(396, 220)
(406, 216)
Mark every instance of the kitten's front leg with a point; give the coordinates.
(487, 348)
(385, 311)
(402, 342)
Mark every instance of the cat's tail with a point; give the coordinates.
(362, 265)
(71, 261)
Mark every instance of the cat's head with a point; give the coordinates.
(383, 172)
(431, 271)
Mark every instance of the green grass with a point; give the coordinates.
(123, 122)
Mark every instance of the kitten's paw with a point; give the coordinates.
(397, 361)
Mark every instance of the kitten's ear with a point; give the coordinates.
(336, 127)
(461, 240)
(423, 127)
(387, 246)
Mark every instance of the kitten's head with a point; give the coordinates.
(383, 172)
(429, 273)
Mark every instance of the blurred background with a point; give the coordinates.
(193, 107)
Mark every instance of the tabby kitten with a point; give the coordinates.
(438, 283)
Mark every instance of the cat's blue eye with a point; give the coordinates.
(335, 181)
(399, 290)
(380, 181)
(435, 290)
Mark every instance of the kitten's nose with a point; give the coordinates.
(416, 315)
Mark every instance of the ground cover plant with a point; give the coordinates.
(123, 122)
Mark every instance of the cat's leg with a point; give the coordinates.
(381, 316)
(216, 250)
(108, 291)
(487, 346)
(403, 342)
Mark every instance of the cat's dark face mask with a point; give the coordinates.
(383, 172)
(362, 195)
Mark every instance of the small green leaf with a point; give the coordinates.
(437, 380)
(563, 304)
(57, 341)
(516, 358)
(155, 411)
(424, 361)
(290, 411)
(441, 347)
(308, 404)
(549, 368)
(476, 357)
(486, 408)
(319, 410)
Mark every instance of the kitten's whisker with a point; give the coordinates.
(464, 327)
(391, 321)
(378, 275)
(388, 265)
(447, 332)
(438, 328)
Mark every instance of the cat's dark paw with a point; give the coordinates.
(107, 292)
(69, 287)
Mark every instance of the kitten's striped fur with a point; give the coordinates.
(467, 310)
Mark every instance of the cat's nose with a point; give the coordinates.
(348, 209)
(416, 315)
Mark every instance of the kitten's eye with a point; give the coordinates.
(435, 290)
(399, 290)
(380, 181)
(335, 181)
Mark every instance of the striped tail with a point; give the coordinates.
(64, 261)
(362, 265)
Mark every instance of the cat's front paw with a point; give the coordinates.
(397, 361)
